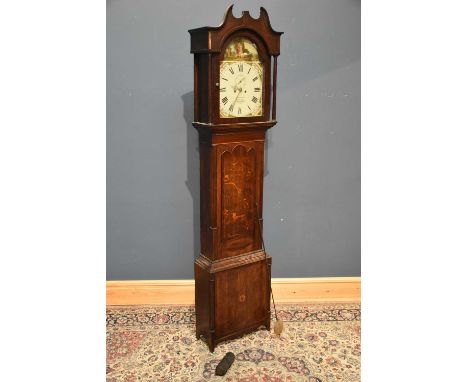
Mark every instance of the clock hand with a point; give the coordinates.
(240, 90)
(238, 94)
(237, 84)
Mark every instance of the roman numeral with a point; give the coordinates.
(225, 79)
(239, 111)
(231, 70)
(255, 78)
(254, 99)
(241, 67)
(249, 107)
(231, 108)
(256, 89)
(222, 89)
(249, 69)
(224, 100)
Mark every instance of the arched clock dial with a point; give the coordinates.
(240, 81)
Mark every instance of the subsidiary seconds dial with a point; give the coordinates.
(240, 89)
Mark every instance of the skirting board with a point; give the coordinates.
(286, 290)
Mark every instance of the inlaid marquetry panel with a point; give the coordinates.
(245, 289)
(238, 196)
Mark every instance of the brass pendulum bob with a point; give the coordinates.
(278, 328)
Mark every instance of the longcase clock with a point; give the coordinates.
(235, 66)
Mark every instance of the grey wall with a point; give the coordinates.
(312, 179)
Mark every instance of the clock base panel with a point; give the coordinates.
(232, 298)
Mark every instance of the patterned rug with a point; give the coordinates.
(157, 343)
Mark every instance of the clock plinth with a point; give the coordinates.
(232, 297)
(232, 113)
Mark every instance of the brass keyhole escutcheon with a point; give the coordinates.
(242, 298)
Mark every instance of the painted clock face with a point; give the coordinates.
(240, 80)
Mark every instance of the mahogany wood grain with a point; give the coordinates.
(232, 273)
(275, 73)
